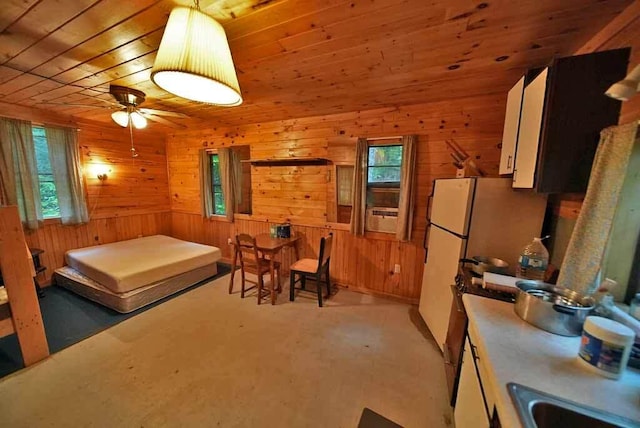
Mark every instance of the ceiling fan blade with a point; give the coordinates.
(162, 113)
(163, 121)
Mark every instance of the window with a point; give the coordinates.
(48, 193)
(344, 179)
(216, 185)
(344, 187)
(383, 176)
(385, 163)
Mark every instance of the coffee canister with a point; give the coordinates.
(605, 346)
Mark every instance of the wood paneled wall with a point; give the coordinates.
(134, 185)
(133, 201)
(299, 193)
(55, 239)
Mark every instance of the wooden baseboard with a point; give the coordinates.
(401, 299)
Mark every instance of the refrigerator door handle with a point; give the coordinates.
(424, 241)
(428, 225)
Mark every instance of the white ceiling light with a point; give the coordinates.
(121, 118)
(625, 89)
(194, 60)
(138, 120)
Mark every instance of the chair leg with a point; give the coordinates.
(319, 288)
(272, 290)
(279, 275)
(242, 286)
(292, 284)
(303, 281)
(328, 280)
(260, 288)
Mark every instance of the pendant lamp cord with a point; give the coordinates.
(197, 4)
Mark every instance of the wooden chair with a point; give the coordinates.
(252, 262)
(315, 268)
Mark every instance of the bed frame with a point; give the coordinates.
(84, 286)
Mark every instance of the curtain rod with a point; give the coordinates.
(397, 137)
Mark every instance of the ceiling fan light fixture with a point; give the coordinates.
(194, 60)
(121, 118)
(138, 120)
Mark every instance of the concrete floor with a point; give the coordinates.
(207, 358)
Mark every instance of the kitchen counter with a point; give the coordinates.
(514, 351)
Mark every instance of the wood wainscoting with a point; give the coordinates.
(55, 239)
(361, 263)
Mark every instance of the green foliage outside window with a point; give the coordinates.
(48, 193)
(218, 198)
(384, 166)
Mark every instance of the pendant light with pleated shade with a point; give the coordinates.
(194, 60)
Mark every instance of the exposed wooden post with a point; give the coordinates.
(16, 272)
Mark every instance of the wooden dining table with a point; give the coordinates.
(270, 247)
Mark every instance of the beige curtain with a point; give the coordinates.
(407, 188)
(206, 189)
(236, 173)
(583, 259)
(19, 171)
(227, 180)
(64, 154)
(359, 191)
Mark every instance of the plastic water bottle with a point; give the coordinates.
(533, 261)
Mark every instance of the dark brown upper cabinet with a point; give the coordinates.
(562, 109)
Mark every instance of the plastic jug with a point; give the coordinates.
(533, 260)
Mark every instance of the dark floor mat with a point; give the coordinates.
(69, 318)
(371, 419)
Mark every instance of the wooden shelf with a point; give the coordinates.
(287, 161)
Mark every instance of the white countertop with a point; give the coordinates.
(514, 351)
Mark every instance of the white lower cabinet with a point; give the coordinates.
(470, 410)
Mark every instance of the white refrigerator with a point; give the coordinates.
(472, 217)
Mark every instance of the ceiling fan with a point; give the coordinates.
(129, 100)
(128, 111)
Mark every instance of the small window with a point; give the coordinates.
(48, 193)
(344, 187)
(216, 184)
(344, 179)
(385, 163)
(383, 176)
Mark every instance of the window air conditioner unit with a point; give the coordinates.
(382, 219)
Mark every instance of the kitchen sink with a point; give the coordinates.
(538, 409)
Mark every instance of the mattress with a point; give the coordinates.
(127, 265)
(73, 280)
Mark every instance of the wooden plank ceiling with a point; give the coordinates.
(294, 58)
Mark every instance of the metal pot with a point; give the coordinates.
(482, 264)
(552, 308)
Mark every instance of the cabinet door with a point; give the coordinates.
(529, 133)
(470, 411)
(511, 126)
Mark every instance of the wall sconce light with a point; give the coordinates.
(625, 89)
(100, 171)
